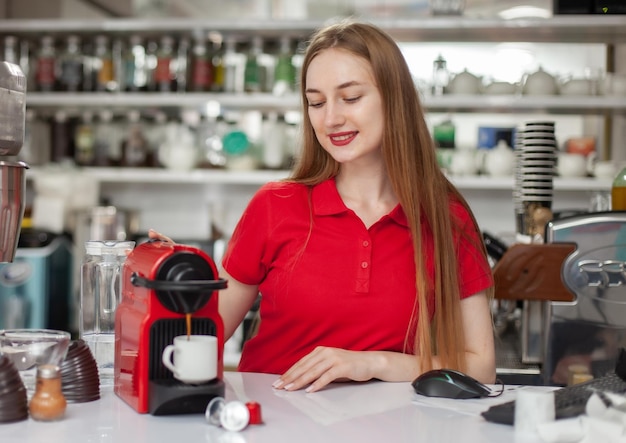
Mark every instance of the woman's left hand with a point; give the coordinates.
(325, 365)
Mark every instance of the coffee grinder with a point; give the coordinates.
(12, 173)
(164, 285)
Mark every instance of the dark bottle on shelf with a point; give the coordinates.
(62, 146)
(46, 65)
(71, 66)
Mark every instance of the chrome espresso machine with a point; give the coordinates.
(12, 172)
(167, 290)
(572, 290)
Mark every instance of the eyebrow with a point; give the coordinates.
(341, 86)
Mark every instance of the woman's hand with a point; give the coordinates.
(158, 236)
(325, 365)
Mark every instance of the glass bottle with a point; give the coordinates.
(46, 70)
(181, 65)
(618, 192)
(71, 66)
(253, 78)
(441, 76)
(11, 50)
(163, 75)
(61, 146)
(273, 152)
(104, 138)
(155, 133)
(200, 71)
(217, 66)
(135, 147)
(285, 71)
(135, 65)
(152, 48)
(233, 69)
(48, 402)
(84, 141)
(105, 70)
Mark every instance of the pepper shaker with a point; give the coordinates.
(48, 402)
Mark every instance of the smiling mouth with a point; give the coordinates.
(343, 138)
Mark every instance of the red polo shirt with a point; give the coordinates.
(325, 279)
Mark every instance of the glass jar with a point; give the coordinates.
(100, 293)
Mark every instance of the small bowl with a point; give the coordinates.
(29, 348)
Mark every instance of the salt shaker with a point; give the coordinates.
(48, 402)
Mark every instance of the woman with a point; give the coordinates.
(368, 261)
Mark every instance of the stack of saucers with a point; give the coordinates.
(13, 398)
(536, 151)
(79, 374)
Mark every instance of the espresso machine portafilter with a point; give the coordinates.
(12, 172)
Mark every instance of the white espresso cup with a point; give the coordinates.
(195, 358)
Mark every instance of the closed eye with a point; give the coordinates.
(352, 99)
(315, 104)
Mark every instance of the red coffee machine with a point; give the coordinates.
(162, 282)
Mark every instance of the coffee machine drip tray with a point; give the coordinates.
(169, 396)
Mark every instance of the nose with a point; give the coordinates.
(334, 115)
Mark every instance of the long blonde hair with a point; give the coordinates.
(410, 159)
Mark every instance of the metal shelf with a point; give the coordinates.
(265, 102)
(557, 29)
(259, 177)
(120, 101)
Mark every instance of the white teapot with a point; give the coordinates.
(465, 83)
(500, 160)
(573, 165)
(540, 83)
(178, 151)
(463, 162)
(576, 86)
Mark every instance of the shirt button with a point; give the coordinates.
(365, 243)
(364, 264)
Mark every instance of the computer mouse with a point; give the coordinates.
(449, 383)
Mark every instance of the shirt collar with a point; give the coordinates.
(327, 201)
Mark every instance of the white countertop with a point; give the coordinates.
(343, 412)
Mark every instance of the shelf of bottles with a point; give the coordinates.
(139, 77)
(182, 88)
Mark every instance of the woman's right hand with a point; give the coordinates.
(152, 234)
